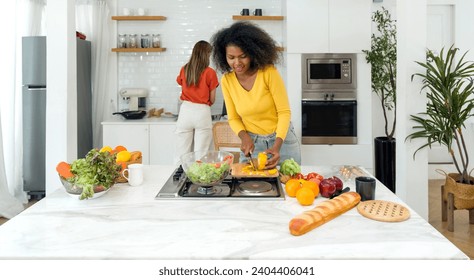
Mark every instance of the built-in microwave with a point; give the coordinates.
(329, 71)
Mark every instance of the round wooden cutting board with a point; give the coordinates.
(384, 211)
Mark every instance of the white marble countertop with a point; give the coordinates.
(128, 223)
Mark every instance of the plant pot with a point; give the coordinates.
(384, 153)
(463, 193)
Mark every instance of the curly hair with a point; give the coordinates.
(253, 40)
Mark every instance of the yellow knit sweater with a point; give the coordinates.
(264, 109)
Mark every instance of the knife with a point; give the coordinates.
(251, 161)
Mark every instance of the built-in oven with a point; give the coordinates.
(329, 98)
(329, 118)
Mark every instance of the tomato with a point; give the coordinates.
(298, 176)
(314, 175)
(228, 159)
(217, 165)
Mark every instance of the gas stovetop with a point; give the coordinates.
(178, 186)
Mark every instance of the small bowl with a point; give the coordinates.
(207, 168)
(76, 190)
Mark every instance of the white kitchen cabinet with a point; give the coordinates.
(162, 144)
(328, 26)
(307, 26)
(156, 140)
(350, 25)
(135, 137)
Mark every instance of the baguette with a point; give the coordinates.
(323, 213)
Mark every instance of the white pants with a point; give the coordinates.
(194, 124)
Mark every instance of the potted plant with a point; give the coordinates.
(449, 87)
(383, 60)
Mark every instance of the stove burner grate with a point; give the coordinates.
(193, 190)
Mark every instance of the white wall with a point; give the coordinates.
(188, 21)
(412, 174)
(61, 119)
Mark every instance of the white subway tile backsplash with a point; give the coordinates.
(188, 21)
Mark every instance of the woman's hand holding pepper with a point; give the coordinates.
(274, 151)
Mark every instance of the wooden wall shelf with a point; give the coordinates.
(237, 17)
(139, 49)
(138, 18)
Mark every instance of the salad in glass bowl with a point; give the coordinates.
(91, 176)
(207, 168)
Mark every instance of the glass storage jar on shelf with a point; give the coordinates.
(133, 41)
(145, 40)
(122, 41)
(156, 41)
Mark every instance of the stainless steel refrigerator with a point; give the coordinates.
(34, 109)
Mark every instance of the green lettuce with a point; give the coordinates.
(96, 169)
(207, 173)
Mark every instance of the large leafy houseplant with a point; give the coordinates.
(449, 89)
(383, 61)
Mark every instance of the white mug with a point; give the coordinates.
(141, 11)
(135, 174)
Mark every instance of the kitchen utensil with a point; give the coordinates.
(245, 12)
(168, 115)
(346, 189)
(383, 211)
(239, 171)
(135, 97)
(132, 115)
(135, 174)
(257, 12)
(365, 186)
(249, 156)
(207, 168)
(75, 190)
(122, 178)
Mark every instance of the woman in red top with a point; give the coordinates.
(198, 82)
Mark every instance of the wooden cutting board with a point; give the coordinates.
(384, 211)
(238, 170)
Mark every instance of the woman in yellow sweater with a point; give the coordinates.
(254, 93)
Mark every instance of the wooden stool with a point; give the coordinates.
(447, 210)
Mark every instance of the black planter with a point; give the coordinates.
(385, 161)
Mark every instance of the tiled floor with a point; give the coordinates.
(463, 235)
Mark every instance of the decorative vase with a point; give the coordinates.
(385, 161)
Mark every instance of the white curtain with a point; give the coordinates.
(93, 19)
(24, 18)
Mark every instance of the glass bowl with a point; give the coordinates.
(75, 190)
(207, 168)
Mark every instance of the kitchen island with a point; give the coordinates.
(129, 223)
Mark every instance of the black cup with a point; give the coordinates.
(245, 12)
(258, 12)
(365, 186)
